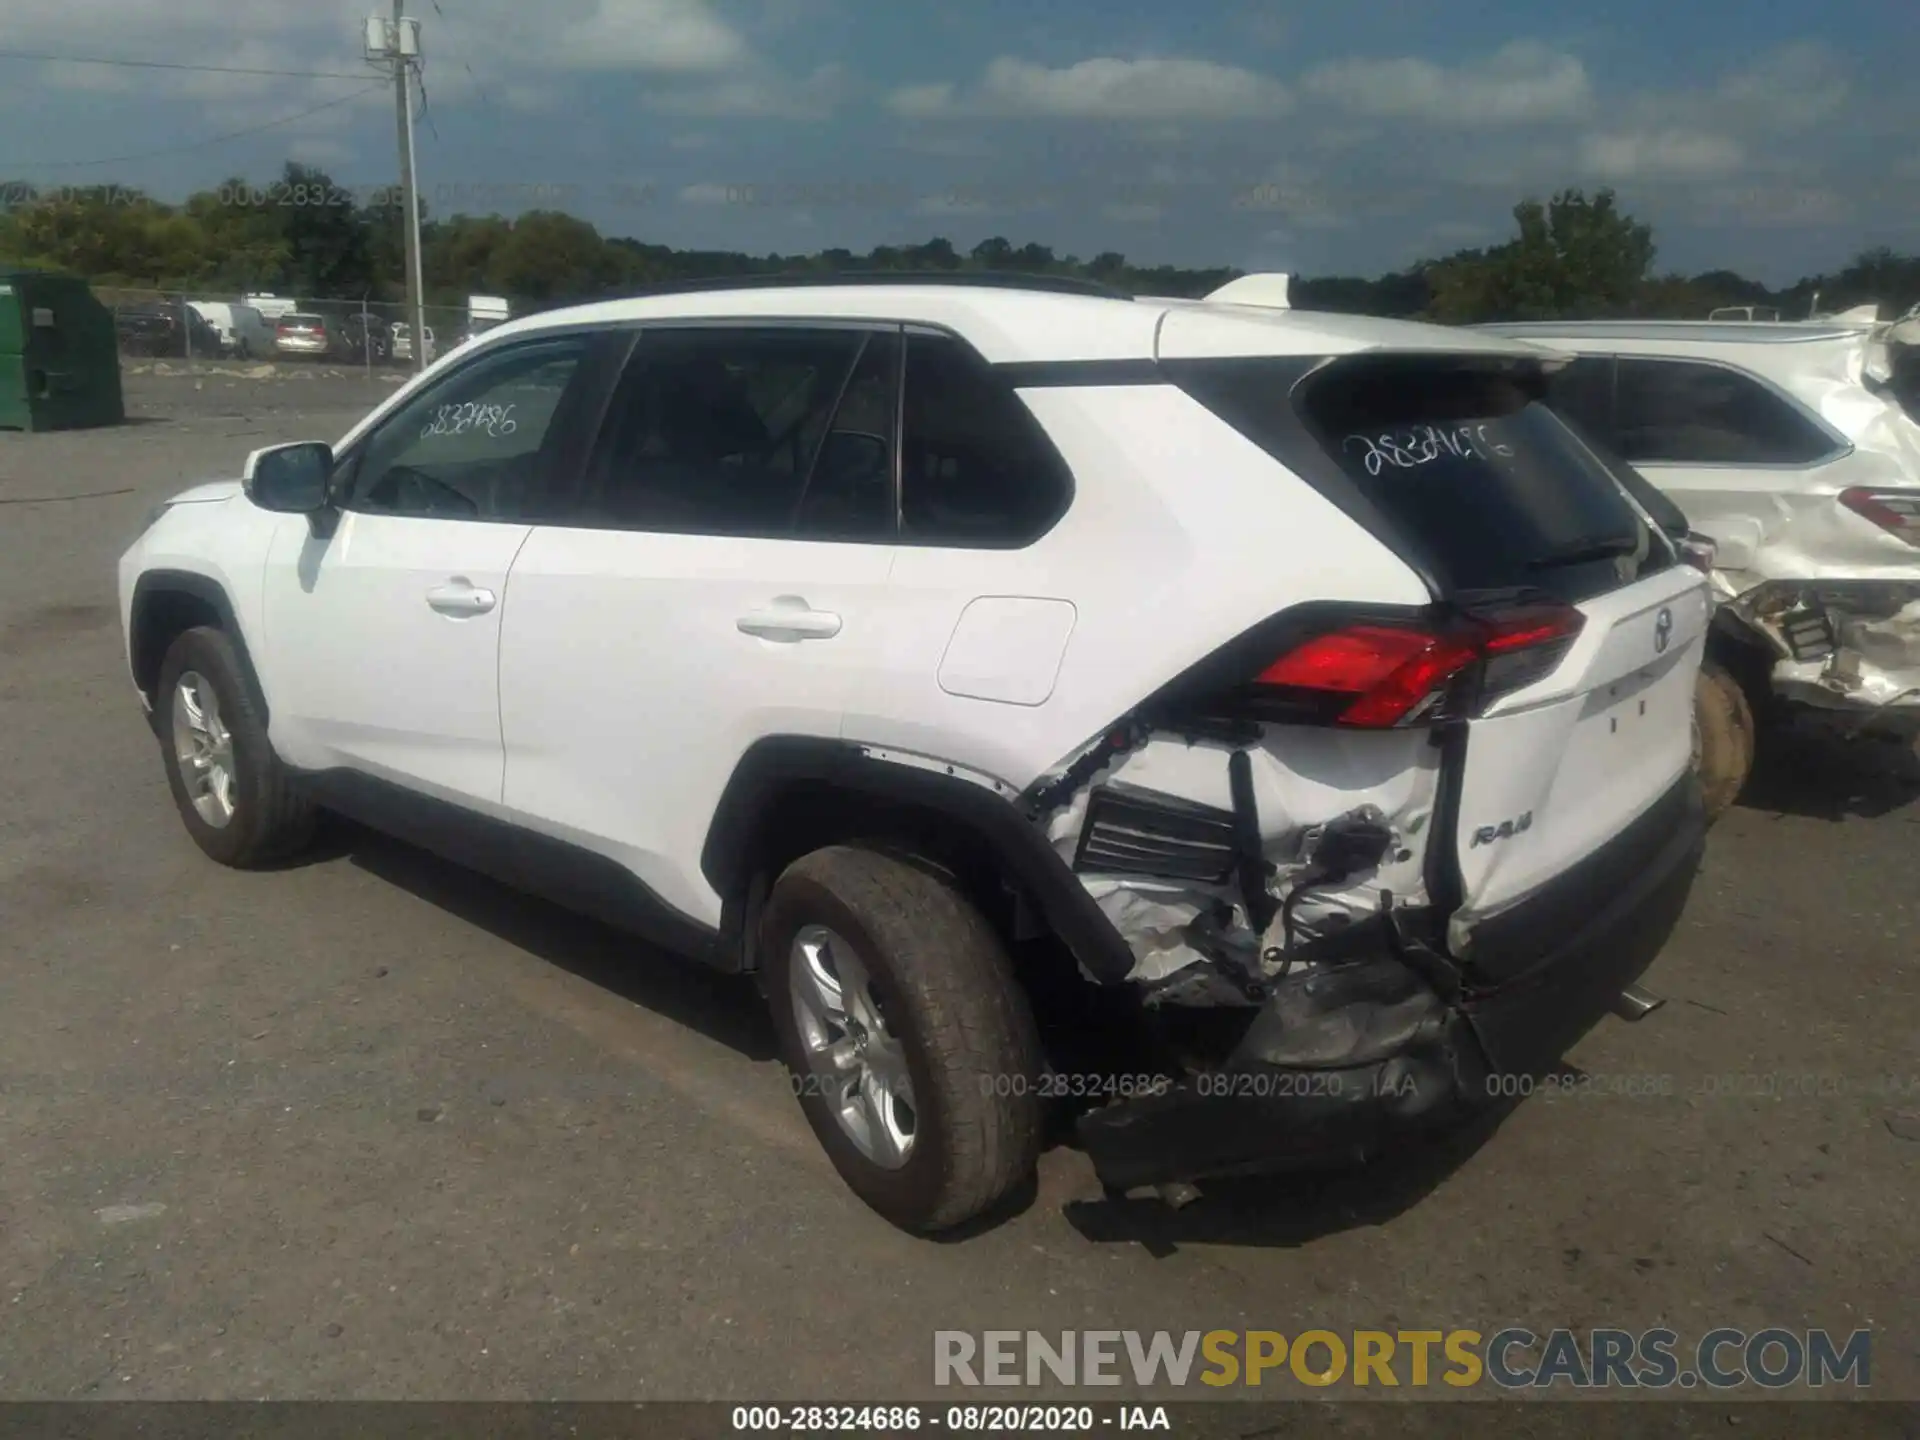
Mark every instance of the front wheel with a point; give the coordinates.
(234, 796)
(910, 1043)
(1723, 738)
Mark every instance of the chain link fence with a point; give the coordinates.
(214, 326)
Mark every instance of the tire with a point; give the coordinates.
(1723, 738)
(945, 1008)
(266, 818)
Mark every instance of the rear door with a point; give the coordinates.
(1732, 451)
(722, 581)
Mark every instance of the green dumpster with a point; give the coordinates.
(59, 356)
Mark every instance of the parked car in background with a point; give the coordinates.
(362, 338)
(1292, 702)
(300, 334)
(170, 328)
(403, 343)
(1786, 444)
(244, 332)
(272, 307)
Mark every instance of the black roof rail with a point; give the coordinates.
(830, 279)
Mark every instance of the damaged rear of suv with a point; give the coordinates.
(1402, 851)
(1386, 796)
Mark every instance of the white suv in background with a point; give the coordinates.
(1786, 444)
(948, 653)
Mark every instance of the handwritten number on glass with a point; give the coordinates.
(1422, 444)
(494, 420)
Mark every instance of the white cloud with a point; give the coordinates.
(1522, 82)
(934, 99)
(761, 94)
(707, 192)
(662, 35)
(1792, 88)
(1104, 89)
(313, 151)
(947, 204)
(1662, 155)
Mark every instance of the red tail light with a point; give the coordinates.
(1895, 511)
(1379, 676)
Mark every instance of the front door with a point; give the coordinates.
(382, 638)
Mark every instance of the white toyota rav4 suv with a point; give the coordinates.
(1292, 692)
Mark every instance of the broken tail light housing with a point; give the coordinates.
(1699, 551)
(1377, 676)
(1895, 511)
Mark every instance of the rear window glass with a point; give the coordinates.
(1466, 463)
(300, 320)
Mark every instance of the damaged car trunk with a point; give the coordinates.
(1369, 861)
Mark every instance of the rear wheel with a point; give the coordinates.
(909, 1041)
(234, 796)
(1723, 738)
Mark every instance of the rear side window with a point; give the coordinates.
(1466, 463)
(715, 431)
(977, 470)
(1684, 412)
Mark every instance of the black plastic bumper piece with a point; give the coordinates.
(1344, 1064)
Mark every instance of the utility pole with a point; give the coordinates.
(398, 42)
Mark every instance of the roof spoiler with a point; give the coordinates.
(1267, 290)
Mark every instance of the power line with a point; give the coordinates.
(174, 65)
(28, 167)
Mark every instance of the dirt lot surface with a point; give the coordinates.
(372, 1127)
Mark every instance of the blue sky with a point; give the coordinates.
(1775, 140)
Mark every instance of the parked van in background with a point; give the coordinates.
(243, 330)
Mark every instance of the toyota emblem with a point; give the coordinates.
(1662, 631)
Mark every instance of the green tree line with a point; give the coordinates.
(1570, 256)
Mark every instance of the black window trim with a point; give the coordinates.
(1843, 447)
(1069, 484)
(637, 327)
(605, 354)
(635, 331)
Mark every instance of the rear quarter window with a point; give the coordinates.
(1687, 412)
(1466, 461)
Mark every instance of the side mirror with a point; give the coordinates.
(289, 479)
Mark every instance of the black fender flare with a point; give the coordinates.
(155, 583)
(771, 766)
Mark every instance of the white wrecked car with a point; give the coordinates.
(1785, 444)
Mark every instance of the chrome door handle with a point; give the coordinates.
(460, 597)
(790, 619)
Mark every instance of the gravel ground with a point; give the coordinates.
(372, 1127)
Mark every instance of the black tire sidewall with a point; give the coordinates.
(210, 654)
(914, 1189)
(1727, 740)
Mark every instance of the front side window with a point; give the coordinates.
(1685, 412)
(478, 445)
(715, 431)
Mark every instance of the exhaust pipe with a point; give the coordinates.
(1636, 1004)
